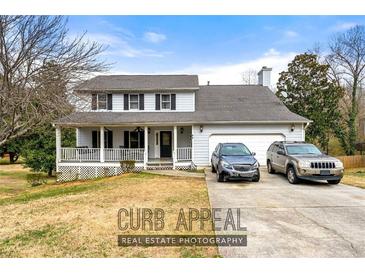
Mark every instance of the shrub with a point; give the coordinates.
(36, 179)
(127, 165)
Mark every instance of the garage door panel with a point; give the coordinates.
(258, 143)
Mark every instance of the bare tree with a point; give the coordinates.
(249, 77)
(347, 63)
(38, 64)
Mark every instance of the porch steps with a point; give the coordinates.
(159, 165)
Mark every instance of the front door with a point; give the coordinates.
(165, 144)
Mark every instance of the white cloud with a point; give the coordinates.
(154, 37)
(232, 73)
(271, 52)
(291, 34)
(117, 46)
(343, 26)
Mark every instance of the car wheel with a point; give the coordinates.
(220, 176)
(256, 178)
(292, 176)
(213, 169)
(269, 167)
(334, 182)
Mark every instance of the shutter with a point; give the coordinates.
(141, 102)
(126, 139)
(141, 139)
(126, 102)
(94, 101)
(94, 139)
(158, 101)
(173, 101)
(110, 101)
(110, 138)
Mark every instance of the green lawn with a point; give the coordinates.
(79, 219)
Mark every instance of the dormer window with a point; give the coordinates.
(165, 101)
(133, 101)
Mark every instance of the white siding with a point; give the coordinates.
(201, 155)
(118, 102)
(85, 137)
(185, 101)
(149, 102)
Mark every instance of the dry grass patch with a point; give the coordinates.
(80, 219)
(354, 177)
(13, 181)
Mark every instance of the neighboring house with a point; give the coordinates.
(169, 121)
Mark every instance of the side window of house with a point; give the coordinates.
(101, 101)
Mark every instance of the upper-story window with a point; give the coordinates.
(165, 101)
(133, 101)
(101, 101)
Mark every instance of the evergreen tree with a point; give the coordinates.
(306, 89)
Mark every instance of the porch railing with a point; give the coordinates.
(69, 154)
(183, 153)
(80, 154)
(121, 154)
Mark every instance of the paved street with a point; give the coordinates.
(284, 220)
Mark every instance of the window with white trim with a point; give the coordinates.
(133, 101)
(165, 101)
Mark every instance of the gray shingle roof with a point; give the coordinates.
(214, 104)
(139, 82)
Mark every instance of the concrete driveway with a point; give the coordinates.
(284, 220)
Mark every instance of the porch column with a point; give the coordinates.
(77, 137)
(145, 159)
(174, 155)
(58, 146)
(102, 144)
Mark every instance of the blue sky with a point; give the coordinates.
(218, 48)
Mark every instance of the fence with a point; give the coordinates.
(352, 161)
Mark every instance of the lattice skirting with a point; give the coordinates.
(71, 173)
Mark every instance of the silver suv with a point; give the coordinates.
(303, 161)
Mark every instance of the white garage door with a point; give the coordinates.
(258, 143)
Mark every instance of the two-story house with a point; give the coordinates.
(169, 121)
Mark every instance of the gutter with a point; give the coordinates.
(180, 123)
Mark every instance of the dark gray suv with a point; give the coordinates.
(234, 161)
(299, 160)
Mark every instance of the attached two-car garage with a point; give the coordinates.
(258, 143)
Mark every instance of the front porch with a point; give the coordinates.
(151, 147)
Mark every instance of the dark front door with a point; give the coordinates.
(165, 144)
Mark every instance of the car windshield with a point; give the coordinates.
(302, 149)
(235, 150)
